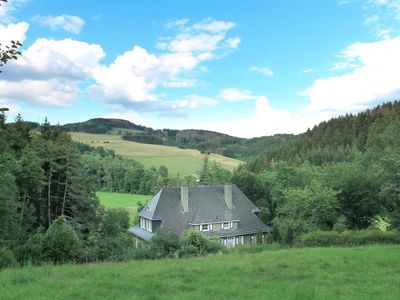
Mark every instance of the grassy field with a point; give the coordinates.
(312, 273)
(127, 201)
(178, 161)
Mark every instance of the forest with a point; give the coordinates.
(338, 181)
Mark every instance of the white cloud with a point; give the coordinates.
(305, 71)
(13, 32)
(7, 10)
(383, 17)
(212, 26)
(135, 75)
(262, 70)
(375, 79)
(233, 43)
(67, 23)
(265, 120)
(194, 101)
(235, 95)
(49, 72)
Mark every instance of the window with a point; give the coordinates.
(226, 225)
(142, 223)
(146, 224)
(205, 227)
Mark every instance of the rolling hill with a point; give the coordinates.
(178, 161)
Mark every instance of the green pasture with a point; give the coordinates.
(177, 160)
(127, 201)
(311, 273)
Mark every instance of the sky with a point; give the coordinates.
(246, 68)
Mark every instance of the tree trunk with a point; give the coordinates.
(65, 188)
(23, 205)
(49, 194)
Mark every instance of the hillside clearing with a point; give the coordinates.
(312, 273)
(178, 161)
(122, 200)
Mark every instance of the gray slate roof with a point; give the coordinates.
(206, 205)
(141, 233)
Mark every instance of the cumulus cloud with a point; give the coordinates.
(235, 95)
(265, 120)
(13, 32)
(374, 78)
(262, 70)
(49, 72)
(135, 75)
(67, 23)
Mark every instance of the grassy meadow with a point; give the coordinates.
(127, 201)
(310, 273)
(178, 161)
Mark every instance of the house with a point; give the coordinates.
(218, 210)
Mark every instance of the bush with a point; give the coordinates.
(165, 244)
(7, 259)
(61, 243)
(114, 221)
(34, 248)
(200, 242)
(347, 238)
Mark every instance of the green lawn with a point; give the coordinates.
(371, 272)
(127, 201)
(178, 161)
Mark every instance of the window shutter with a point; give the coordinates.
(231, 224)
(210, 227)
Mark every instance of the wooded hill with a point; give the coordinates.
(337, 140)
(207, 141)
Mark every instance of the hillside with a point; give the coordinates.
(177, 160)
(336, 140)
(314, 273)
(207, 141)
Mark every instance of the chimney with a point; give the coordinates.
(185, 198)
(228, 195)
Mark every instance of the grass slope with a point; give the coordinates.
(312, 273)
(178, 161)
(127, 201)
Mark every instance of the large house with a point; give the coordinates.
(218, 210)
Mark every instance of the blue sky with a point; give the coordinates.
(246, 68)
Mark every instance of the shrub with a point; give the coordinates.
(348, 238)
(34, 248)
(200, 242)
(61, 243)
(114, 221)
(7, 259)
(165, 243)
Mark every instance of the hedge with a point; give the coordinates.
(347, 238)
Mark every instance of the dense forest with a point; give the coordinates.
(340, 139)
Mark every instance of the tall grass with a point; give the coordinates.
(370, 272)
